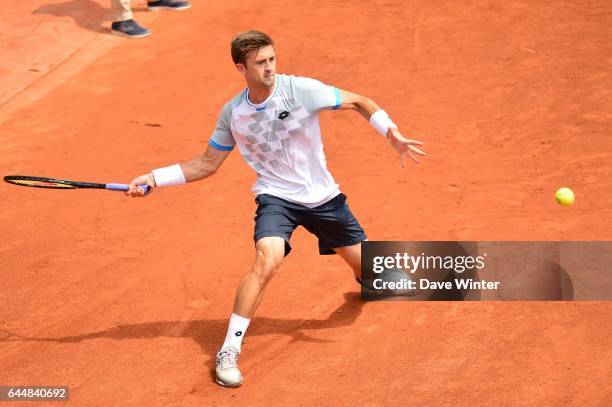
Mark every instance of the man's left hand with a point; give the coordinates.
(403, 145)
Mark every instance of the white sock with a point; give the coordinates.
(235, 331)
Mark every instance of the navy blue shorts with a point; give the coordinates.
(333, 223)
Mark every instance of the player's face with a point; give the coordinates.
(261, 67)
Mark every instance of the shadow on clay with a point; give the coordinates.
(209, 333)
(86, 14)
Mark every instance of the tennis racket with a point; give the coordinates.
(52, 183)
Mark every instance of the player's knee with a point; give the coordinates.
(265, 267)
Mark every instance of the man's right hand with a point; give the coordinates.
(135, 189)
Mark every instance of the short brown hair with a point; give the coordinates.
(246, 42)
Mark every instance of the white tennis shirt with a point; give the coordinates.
(280, 139)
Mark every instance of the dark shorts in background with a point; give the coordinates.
(333, 223)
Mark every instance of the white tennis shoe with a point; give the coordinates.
(228, 374)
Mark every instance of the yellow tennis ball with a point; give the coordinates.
(564, 196)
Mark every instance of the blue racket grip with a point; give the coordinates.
(125, 187)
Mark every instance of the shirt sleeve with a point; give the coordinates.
(315, 95)
(222, 138)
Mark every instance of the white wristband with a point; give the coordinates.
(167, 176)
(381, 122)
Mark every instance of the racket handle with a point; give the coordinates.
(125, 187)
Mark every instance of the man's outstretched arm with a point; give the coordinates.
(195, 169)
(379, 119)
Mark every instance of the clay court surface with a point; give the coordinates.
(125, 301)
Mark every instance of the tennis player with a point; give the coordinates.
(274, 123)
